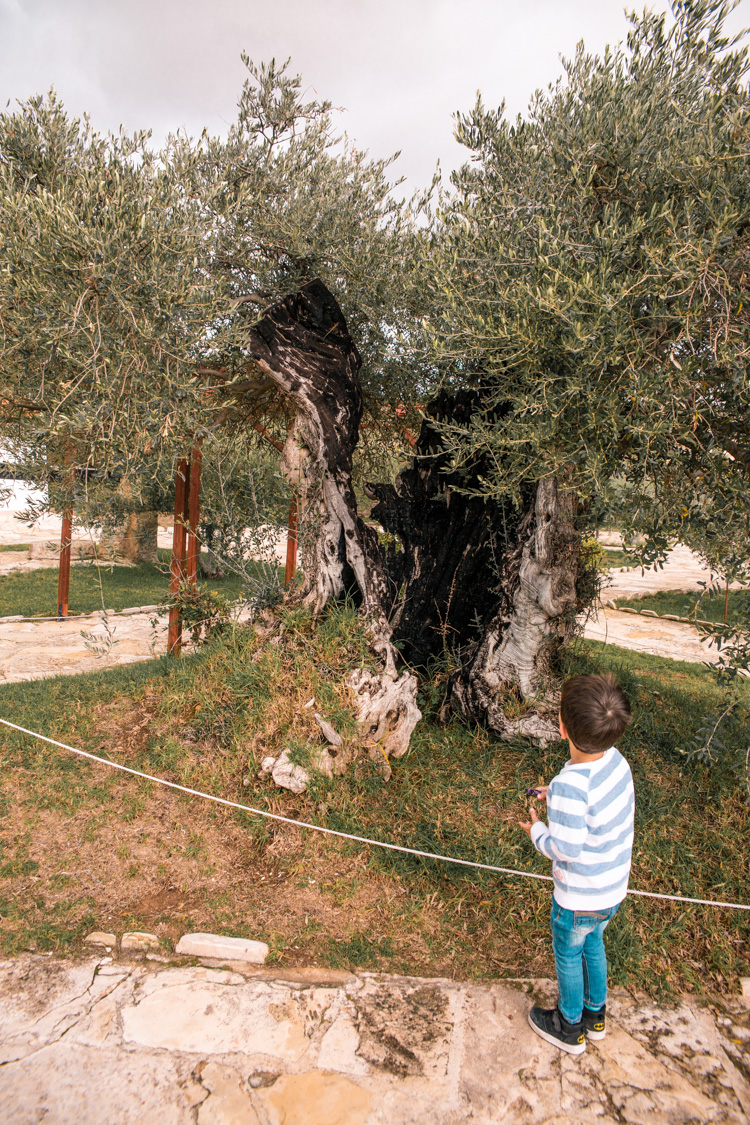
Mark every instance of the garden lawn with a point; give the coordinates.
(685, 604)
(89, 848)
(33, 593)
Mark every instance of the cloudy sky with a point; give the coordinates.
(398, 68)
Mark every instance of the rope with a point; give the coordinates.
(335, 832)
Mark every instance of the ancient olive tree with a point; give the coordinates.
(589, 284)
(586, 300)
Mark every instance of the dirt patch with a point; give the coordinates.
(405, 1033)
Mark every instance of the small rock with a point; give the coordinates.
(289, 776)
(138, 942)
(745, 989)
(648, 613)
(266, 766)
(99, 938)
(223, 948)
(329, 733)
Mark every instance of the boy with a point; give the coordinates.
(590, 807)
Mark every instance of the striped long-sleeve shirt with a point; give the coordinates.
(590, 809)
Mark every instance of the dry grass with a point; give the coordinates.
(88, 848)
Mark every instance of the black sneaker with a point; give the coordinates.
(593, 1022)
(552, 1026)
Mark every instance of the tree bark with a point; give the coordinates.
(135, 540)
(304, 346)
(512, 668)
(493, 582)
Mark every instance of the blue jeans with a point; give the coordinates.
(580, 960)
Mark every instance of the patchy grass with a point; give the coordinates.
(33, 593)
(87, 847)
(613, 557)
(685, 604)
(15, 546)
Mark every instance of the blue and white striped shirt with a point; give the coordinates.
(590, 808)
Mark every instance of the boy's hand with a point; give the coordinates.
(541, 792)
(526, 824)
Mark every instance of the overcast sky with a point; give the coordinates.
(399, 68)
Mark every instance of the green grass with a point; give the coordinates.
(615, 557)
(14, 546)
(683, 604)
(34, 593)
(113, 852)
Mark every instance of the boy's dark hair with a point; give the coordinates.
(595, 711)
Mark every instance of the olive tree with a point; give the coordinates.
(588, 272)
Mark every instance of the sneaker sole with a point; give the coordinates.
(571, 1048)
(595, 1034)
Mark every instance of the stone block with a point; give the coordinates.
(100, 938)
(137, 942)
(223, 948)
(745, 989)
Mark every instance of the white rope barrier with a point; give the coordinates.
(335, 832)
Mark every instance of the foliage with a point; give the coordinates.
(589, 267)
(203, 612)
(129, 276)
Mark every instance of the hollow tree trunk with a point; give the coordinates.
(493, 582)
(514, 662)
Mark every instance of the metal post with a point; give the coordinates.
(63, 570)
(291, 541)
(194, 503)
(177, 569)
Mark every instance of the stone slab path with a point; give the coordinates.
(32, 650)
(35, 649)
(148, 1043)
(653, 635)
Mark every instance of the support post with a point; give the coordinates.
(177, 569)
(193, 545)
(291, 541)
(63, 570)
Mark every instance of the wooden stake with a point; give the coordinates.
(177, 569)
(63, 569)
(193, 545)
(291, 541)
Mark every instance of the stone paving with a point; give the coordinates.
(149, 1043)
(653, 635)
(31, 650)
(35, 649)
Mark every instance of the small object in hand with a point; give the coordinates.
(532, 792)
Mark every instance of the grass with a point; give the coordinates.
(34, 593)
(14, 546)
(613, 557)
(684, 604)
(85, 847)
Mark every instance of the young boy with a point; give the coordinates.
(590, 807)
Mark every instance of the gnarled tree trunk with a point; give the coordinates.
(304, 346)
(514, 662)
(494, 582)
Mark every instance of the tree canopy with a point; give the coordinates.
(589, 268)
